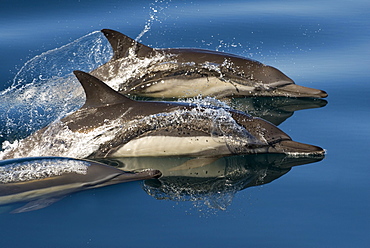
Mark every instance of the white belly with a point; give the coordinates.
(172, 146)
(212, 86)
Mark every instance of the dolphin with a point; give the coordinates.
(41, 181)
(189, 72)
(210, 179)
(110, 124)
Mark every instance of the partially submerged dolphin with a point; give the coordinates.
(111, 125)
(41, 181)
(188, 72)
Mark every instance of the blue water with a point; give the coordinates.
(319, 44)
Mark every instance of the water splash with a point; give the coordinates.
(206, 101)
(45, 90)
(85, 53)
(155, 8)
(131, 67)
(58, 140)
(204, 193)
(21, 170)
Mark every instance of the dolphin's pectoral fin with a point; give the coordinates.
(38, 204)
(195, 163)
(121, 44)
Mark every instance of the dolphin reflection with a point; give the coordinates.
(214, 180)
(274, 109)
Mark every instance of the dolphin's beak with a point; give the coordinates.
(294, 90)
(293, 147)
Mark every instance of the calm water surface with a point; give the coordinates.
(319, 44)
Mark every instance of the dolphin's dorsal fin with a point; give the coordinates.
(98, 93)
(122, 43)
